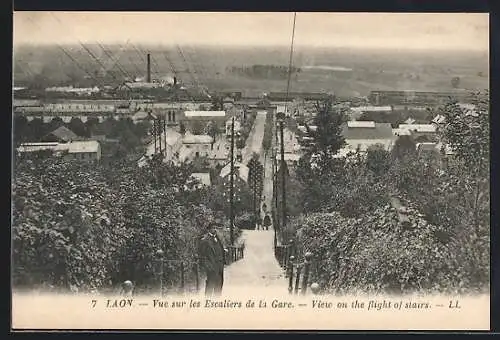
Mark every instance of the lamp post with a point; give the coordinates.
(159, 252)
(281, 120)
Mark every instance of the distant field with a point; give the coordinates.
(346, 72)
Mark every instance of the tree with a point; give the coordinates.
(213, 131)
(197, 127)
(377, 160)
(240, 143)
(468, 135)
(328, 138)
(217, 103)
(256, 180)
(77, 126)
(182, 128)
(36, 129)
(403, 146)
(20, 128)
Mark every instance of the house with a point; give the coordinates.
(361, 135)
(356, 112)
(219, 153)
(439, 119)
(173, 144)
(81, 150)
(205, 115)
(291, 159)
(62, 135)
(84, 150)
(54, 147)
(426, 148)
(401, 132)
(228, 103)
(440, 152)
(421, 132)
(240, 170)
(202, 179)
(197, 121)
(237, 127)
(141, 116)
(194, 146)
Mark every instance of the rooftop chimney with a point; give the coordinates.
(149, 69)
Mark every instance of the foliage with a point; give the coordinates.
(377, 160)
(328, 138)
(92, 226)
(268, 133)
(357, 237)
(404, 145)
(377, 254)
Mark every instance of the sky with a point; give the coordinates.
(426, 31)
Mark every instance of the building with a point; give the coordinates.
(173, 144)
(202, 179)
(361, 135)
(54, 147)
(421, 132)
(87, 91)
(439, 152)
(438, 120)
(61, 135)
(401, 132)
(82, 150)
(356, 112)
(307, 96)
(237, 127)
(241, 171)
(194, 146)
(205, 115)
(291, 159)
(417, 97)
(143, 116)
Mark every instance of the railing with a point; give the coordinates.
(283, 252)
(188, 279)
(235, 253)
(297, 271)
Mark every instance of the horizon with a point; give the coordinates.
(468, 32)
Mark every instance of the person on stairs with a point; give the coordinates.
(267, 222)
(212, 259)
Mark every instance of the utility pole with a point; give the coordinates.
(231, 187)
(160, 123)
(165, 132)
(283, 175)
(155, 128)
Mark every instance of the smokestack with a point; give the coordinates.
(175, 81)
(149, 68)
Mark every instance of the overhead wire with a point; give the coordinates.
(75, 62)
(290, 63)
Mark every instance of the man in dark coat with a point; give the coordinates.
(212, 259)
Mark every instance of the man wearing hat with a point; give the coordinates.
(212, 259)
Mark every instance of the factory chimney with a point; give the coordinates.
(149, 69)
(175, 81)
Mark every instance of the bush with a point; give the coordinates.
(376, 254)
(93, 226)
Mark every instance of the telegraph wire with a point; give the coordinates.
(290, 63)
